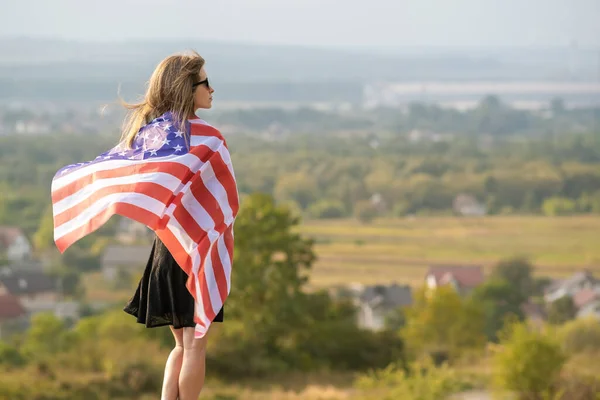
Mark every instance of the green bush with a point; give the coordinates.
(581, 336)
(423, 381)
(555, 206)
(327, 209)
(528, 363)
(578, 388)
(11, 356)
(364, 211)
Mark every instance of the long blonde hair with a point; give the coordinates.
(169, 89)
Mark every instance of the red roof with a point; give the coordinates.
(466, 276)
(10, 307)
(585, 296)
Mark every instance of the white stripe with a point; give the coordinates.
(212, 142)
(215, 187)
(141, 200)
(227, 159)
(199, 331)
(192, 250)
(199, 213)
(224, 256)
(211, 281)
(189, 160)
(161, 178)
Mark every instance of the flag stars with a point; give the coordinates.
(178, 148)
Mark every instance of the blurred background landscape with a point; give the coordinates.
(420, 190)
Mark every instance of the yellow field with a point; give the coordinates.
(401, 250)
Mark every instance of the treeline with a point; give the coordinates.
(490, 117)
(334, 176)
(330, 176)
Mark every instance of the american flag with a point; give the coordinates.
(178, 182)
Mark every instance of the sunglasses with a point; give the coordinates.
(204, 82)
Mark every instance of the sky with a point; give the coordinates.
(337, 23)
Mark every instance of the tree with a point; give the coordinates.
(499, 299)
(327, 209)
(581, 335)
(266, 291)
(273, 324)
(561, 310)
(70, 282)
(517, 271)
(299, 187)
(44, 236)
(441, 322)
(528, 362)
(365, 211)
(47, 335)
(555, 206)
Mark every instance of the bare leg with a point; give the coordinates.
(191, 378)
(170, 388)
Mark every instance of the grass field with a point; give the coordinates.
(401, 250)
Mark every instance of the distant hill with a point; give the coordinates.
(47, 69)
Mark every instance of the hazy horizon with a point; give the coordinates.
(384, 25)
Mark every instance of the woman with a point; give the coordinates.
(179, 86)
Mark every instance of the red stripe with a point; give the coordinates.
(220, 277)
(127, 210)
(180, 171)
(206, 199)
(228, 236)
(199, 129)
(188, 223)
(203, 152)
(226, 179)
(208, 306)
(150, 189)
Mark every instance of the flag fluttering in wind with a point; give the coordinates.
(178, 182)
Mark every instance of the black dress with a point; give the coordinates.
(162, 297)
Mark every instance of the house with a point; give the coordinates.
(118, 260)
(468, 206)
(462, 278)
(35, 290)
(14, 243)
(587, 302)
(376, 302)
(570, 286)
(12, 312)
